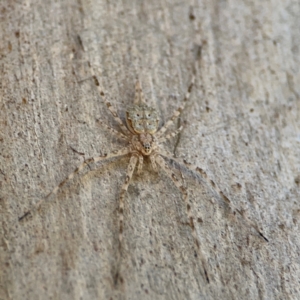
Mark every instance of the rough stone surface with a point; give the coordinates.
(242, 126)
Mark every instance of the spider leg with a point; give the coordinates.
(140, 165)
(214, 186)
(170, 135)
(132, 164)
(113, 131)
(227, 201)
(178, 111)
(162, 163)
(153, 162)
(109, 105)
(130, 169)
(115, 153)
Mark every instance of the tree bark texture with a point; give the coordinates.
(241, 126)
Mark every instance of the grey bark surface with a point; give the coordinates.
(242, 125)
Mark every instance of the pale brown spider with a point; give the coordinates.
(144, 139)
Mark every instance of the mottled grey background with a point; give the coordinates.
(241, 126)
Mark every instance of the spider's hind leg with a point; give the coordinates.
(170, 135)
(178, 111)
(116, 133)
(112, 110)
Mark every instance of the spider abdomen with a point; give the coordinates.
(142, 119)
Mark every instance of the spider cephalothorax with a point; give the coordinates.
(144, 143)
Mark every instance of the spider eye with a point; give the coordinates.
(147, 147)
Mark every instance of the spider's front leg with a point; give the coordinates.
(135, 158)
(162, 163)
(132, 164)
(112, 154)
(140, 164)
(210, 183)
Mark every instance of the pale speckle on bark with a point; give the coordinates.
(241, 126)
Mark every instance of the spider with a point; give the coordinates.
(144, 138)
